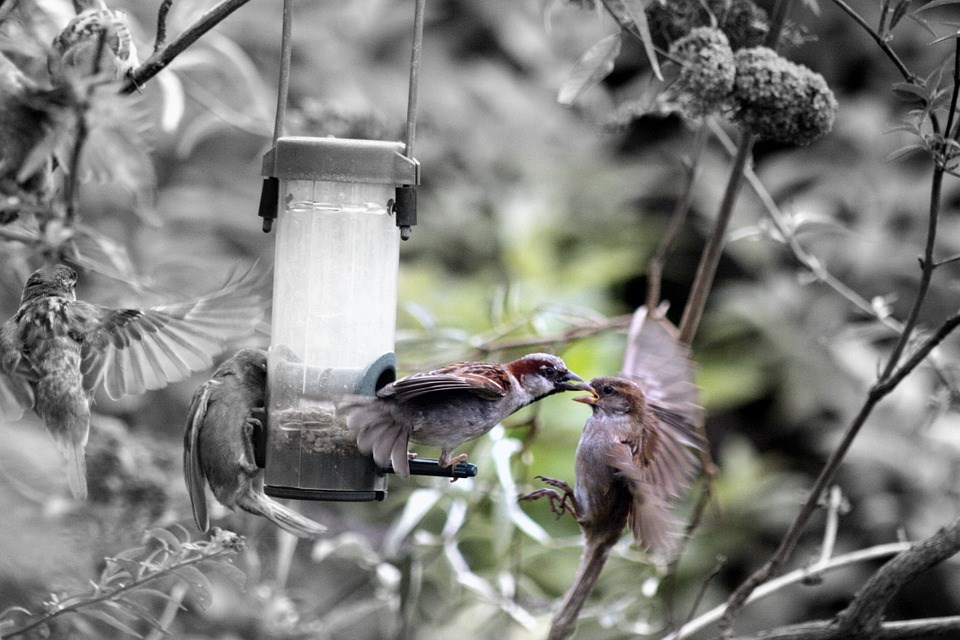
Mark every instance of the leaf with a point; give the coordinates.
(165, 538)
(903, 151)
(935, 4)
(200, 588)
(635, 11)
(909, 91)
(105, 617)
(230, 571)
(156, 593)
(593, 66)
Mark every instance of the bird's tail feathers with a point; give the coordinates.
(378, 434)
(76, 469)
(594, 556)
(258, 503)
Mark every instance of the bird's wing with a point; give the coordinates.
(16, 394)
(660, 456)
(651, 514)
(192, 469)
(657, 360)
(482, 379)
(131, 350)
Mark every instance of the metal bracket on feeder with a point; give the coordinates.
(334, 309)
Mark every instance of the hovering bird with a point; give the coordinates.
(80, 40)
(57, 350)
(451, 405)
(218, 445)
(636, 455)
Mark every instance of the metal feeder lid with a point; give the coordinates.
(340, 160)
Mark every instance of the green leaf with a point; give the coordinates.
(592, 67)
(106, 618)
(635, 11)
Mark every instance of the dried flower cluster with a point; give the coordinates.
(742, 21)
(779, 100)
(707, 70)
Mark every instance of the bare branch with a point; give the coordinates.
(160, 59)
(884, 46)
(928, 629)
(866, 611)
(162, 25)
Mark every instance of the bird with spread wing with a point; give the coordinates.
(56, 351)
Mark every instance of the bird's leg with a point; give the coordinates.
(560, 501)
(446, 461)
(251, 426)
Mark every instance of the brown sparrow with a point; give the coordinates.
(218, 445)
(633, 459)
(57, 350)
(451, 405)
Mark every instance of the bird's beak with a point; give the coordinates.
(573, 382)
(590, 399)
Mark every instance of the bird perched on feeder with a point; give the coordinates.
(218, 445)
(451, 405)
(57, 350)
(80, 41)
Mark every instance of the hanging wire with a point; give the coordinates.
(415, 56)
(286, 46)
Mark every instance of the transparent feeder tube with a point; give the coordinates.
(334, 315)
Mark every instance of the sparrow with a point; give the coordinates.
(634, 457)
(57, 350)
(78, 43)
(218, 445)
(451, 405)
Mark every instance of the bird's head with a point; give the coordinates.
(60, 280)
(253, 362)
(615, 396)
(542, 374)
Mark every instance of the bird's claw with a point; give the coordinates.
(562, 501)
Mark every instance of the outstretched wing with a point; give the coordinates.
(129, 351)
(192, 469)
(651, 513)
(661, 364)
(484, 379)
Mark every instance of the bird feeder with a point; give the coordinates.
(341, 207)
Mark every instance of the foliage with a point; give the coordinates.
(536, 229)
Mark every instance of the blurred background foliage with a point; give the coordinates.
(534, 218)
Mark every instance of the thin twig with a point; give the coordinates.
(721, 561)
(160, 59)
(884, 46)
(799, 575)
(927, 266)
(162, 25)
(834, 504)
(714, 248)
(677, 220)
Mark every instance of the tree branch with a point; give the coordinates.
(928, 629)
(799, 575)
(865, 612)
(160, 59)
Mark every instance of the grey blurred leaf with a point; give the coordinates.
(592, 67)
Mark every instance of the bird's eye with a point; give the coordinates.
(606, 390)
(548, 370)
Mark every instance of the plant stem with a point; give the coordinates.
(714, 248)
(160, 59)
(890, 53)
